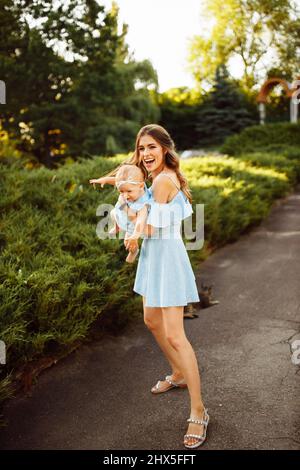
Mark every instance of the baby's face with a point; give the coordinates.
(131, 192)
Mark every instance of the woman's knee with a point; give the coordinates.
(153, 318)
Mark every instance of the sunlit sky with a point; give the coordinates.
(159, 30)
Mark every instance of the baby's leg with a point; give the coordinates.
(115, 228)
(131, 256)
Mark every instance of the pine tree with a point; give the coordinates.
(223, 112)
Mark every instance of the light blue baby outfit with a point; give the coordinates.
(164, 274)
(122, 219)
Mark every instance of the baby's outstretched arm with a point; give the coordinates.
(104, 180)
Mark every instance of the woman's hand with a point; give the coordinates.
(131, 244)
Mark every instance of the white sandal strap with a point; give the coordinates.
(172, 382)
(203, 421)
(197, 421)
(194, 435)
(168, 379)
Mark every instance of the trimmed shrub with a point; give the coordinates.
(268, 137)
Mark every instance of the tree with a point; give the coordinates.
(179, 108)
(72, 87)
(223, 112)
(259, 34)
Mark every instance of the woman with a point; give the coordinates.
(164, 275)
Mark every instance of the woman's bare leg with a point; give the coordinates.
(174, 328)
(153, 319)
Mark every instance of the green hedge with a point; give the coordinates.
(59, 280)
(269, 137)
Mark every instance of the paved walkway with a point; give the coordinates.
(99, 397)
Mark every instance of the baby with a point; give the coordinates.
(131, 210)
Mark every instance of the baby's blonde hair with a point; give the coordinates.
(130, 172)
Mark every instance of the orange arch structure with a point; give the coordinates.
(289, 89)
(268, 87)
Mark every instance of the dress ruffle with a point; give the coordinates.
(172, 213)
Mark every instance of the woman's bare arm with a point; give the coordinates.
(162, 188)
(131, 243)
(140, 226)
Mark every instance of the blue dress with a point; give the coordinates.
(122, 219)
(164, 273)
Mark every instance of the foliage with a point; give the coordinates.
(249, 32)
(200, 120)
(223, 112)
(179, 109)
(269, 137)
(72, 87)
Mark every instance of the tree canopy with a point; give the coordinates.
(260, 35)
(72, 86)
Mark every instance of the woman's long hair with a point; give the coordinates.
(172, 159)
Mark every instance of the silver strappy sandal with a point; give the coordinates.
(200, 438)
(172, 384)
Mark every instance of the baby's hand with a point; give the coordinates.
(101, 181)
(131, 244)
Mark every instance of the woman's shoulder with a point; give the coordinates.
(167, 179)
(162, 179)
(162, 187)
(165, 186)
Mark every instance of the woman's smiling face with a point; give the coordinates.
(151, 154)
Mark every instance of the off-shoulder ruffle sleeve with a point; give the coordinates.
(164, 215)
